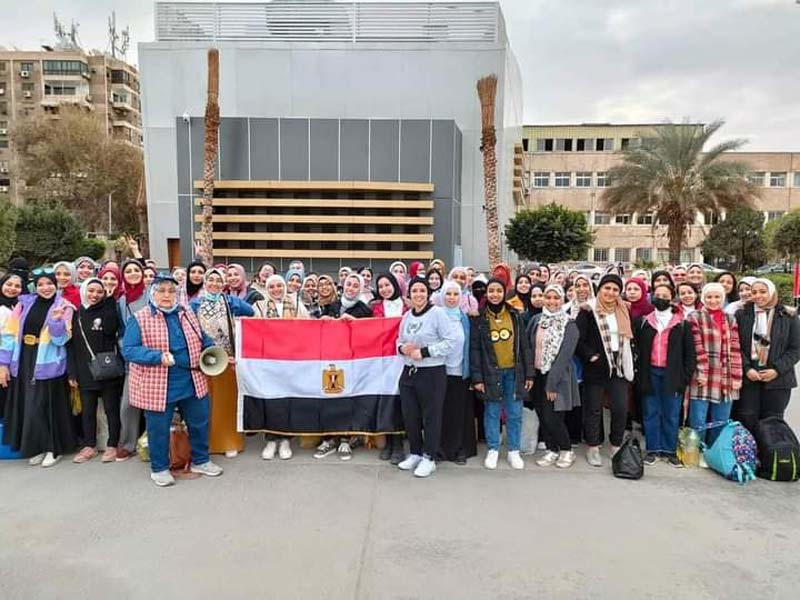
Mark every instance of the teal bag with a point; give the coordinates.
(734, 453)
(6, 453)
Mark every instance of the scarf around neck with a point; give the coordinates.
(554, 325)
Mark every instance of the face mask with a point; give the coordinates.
(661, 303)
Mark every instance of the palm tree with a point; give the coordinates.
(487, 90)
(210, 159)
(671, 176)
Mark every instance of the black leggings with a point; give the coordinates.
(422, 393)
(617, 389)
(111, 393)
(553, 427)
(756, 402)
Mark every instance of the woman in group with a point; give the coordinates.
(695, 275)
(661, 278)
(728, 281)
(416, 269)
(717, 378)
(743, 294)
(65, 282)
(435, 280)
(237, 284)
(553, 338)
(350, 305)
(679, 274)
(537, 298)
(544, 274)
(636, 295)
(501, 370)
(478, 289)
(666, 359)
(326, 294)
(195, 279)
(584, 292)
(458, 414)
(85, 267)
(150, 274)
(12, 286)
(133, 299)
(398, 269)
(368, 294)
(294, 281)
(559, 278)
(469, 304)
(502, 272)
(110, 277)
(279, 304)
(427, 337)
(770, 341)
(688, 298)
(95, 328)
(265, 271)
(604, 348)
(438, 264)
(216, 312)
(521, 300)
(308, 296)
(33, 366)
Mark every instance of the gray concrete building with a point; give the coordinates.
(350, 102)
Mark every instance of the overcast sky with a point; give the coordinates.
(585, 60)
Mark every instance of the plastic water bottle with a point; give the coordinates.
(690, 445)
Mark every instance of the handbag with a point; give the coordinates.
(104, 365)
(627, 462)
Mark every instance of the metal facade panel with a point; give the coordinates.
(264, 151)
(354, 150)
(384, 150)
(415, 150)
(182, 147)
(233, 148)
(294, 149)
(324, 150)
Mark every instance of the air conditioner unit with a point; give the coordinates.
(3, 131)
(2, 91)
(3, 169)
(3, 189)
(24, 73)
(28, 94)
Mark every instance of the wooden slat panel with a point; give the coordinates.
(374, 186)
(321, 203)
(332, 219)
(323, 237)
(300, 254)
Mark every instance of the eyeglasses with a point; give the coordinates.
(43, 271)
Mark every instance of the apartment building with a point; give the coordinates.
(36, 82)
(567, 164)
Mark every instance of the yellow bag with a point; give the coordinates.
(143, 448)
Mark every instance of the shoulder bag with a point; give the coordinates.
(104, 365)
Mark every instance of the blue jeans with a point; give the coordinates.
(195, 414)
(661, 415)
(491, 414)
(698, 416)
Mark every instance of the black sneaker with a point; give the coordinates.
(650, 459)
(673, 461)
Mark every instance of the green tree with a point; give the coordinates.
(47, 232)
(786, 239)
(674, 178)
(550, 234)
(739, 238)
(8, 233)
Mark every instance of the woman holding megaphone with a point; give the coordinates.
(216, 312)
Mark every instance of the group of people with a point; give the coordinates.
(661, 349)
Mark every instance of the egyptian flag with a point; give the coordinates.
(318, 377)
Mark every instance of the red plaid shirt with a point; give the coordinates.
(719, 359)
(148, 383)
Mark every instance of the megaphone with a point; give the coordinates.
(213, 361)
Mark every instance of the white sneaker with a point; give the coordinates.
(515, 460)
(548, 460)
(593, 456)
(702, 462)
(231, 453)
(162, 478)
(50, 460)
(425, 467)
(565, 459)
(209, 469)
(268, 453)
(612, 450)
(541, 446)
(345, 451)
(410, 463)
(326, 448)
(490, 462)
(35, 461)
(285, 449)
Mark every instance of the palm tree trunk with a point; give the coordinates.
(487, 90)
(210, 158)
(675, 231)
(141, 216)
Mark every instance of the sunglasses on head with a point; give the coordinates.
(43, 271)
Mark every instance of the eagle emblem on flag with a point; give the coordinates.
(332, 380)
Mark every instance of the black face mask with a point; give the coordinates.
(661, 303)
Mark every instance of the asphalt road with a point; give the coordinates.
(326, 529)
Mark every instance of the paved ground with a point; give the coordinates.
(324, 529)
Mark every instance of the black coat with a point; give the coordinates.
(784, 348)
(483, 362)
(681, 357)
(359, 310)
(591, 344)
(101, 324)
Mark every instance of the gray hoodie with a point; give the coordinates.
(432, 331)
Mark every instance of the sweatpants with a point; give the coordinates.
(756, 402)
(110, 393)
(130, 419)
(422, 393)
(553, 426)
(617, 389)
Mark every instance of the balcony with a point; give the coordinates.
(55, 100)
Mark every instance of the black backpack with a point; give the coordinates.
(778, 450)
(627, 462)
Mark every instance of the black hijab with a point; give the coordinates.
(525, 298)
(733, 296)
(658, 274)
(5, 300)
(535, 310)
(392, 280)
(193, 288)
(478, 290)
(496, 308)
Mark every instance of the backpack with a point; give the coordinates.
(778, 450)
(734, 453)
(627, 462)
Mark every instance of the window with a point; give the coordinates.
(601, 179)
(622, 255)
(2, 66)
(623, 219)
(541, 179)
(601, 254)
(645, 219)
(773, 215)
(524, 143)
(27, 86)
(65, 88)
(562, 179)
(564, 145)
(120, 76)
(777, 179)
(3, 124)
(3, 108)
(604, 144)
(797, 179)
(583, 179)
(588, 216)
(756, 178)
(584, 144)
(711, 217)
(601, 218)
(64, 67)
(544, 145)
(630, 143)
(644, 254)
(3, 143)
(26, 66)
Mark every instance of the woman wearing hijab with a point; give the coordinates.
(326, 294)
(33, 366)
(65, 282)
(521, 300)
(368, 294)
(96, 328)
(553, 337)
(308, 296)
(458, 413)
(662, 278)
(195, 279)
(537, 298)
(438, 264)
(743, 292)
(237, 284)
(294, 281)
(416, 269)
(85, 267)
(728, 281)
(604, 348)
(544, 274)
(12, 287)
(469, 304)
(478, 289)
(636, 295)
(150, 275)
(350, 305)
(110, 277)
(216, 312)
(502, 371)
(435, 280)
(502, 272)
(688, 298)
(584, 292)
(695, 275)
(259, 283)
(770, 340)
(389, 301)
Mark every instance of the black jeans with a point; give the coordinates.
(422, 393)
(756, 403)
(553, 426)
(617, 389)
(111, 393)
